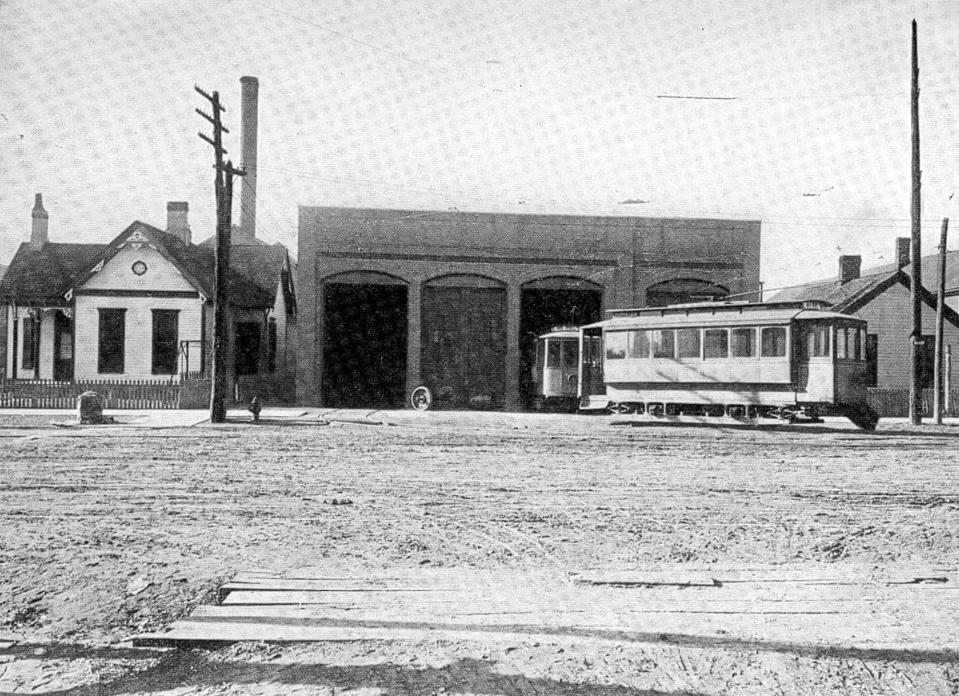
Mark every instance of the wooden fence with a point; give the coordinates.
(894, 402)
(48, 393)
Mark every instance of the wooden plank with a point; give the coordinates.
(831, 630)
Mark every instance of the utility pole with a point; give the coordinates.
(915, 392)
(937, 381)
(223, 186)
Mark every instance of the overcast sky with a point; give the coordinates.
(558, 107)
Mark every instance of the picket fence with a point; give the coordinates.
(894, 402)
(121, 394)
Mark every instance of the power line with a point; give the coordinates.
(376, 47)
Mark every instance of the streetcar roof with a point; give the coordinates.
(721, 314)
(561, 333)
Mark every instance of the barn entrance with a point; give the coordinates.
(364, 348)
(464, 341)
(547, 303)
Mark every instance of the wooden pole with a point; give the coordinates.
(947, 382)
(223, 185)
(915, 392)
(937, 379)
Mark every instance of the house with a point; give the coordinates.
(453, 300)
(883, 297)
(140, 307)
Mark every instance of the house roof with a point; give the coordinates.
(841, 296)
(852, 296)
(42, 277)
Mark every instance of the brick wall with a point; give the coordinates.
(622, 255)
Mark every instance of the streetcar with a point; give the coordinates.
(795, 361)
(555, 370)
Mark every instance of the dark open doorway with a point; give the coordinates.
(549, 303)
(364, 351)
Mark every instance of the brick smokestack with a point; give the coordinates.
(38, 231)
(903, 251)
(177, 220)
(250, 88)
(849, 267)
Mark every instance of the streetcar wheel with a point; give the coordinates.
(421, 399)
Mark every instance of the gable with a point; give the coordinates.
(891, 309)
(119, 272)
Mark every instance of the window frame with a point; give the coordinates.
(706, 345)
(30, 352)
(753, 353)
(783, 345)
(111, 363)
(665, 336)
(681, 355)
(155, 348)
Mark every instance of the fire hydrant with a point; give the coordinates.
(255, 409)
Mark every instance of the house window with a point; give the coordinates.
(31, 335)
(247, 355)
(112, 340)
(271, 345)
(165, 340)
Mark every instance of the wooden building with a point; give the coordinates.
(883, 297)
(140, 306)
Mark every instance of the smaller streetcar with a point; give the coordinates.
(786, 360)
(555, 371)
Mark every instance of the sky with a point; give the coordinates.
(793, 113)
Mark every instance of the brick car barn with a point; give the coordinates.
(394, 299)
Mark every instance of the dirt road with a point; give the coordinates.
(111, 531)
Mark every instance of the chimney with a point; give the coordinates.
(903, 251)
(177, 222)
(849, 268)
(250, 88)
(38, 232)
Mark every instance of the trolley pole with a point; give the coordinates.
(223, 188)
(915, 393)
(937, 381)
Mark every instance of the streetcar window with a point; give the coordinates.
(841, 338)
(861, 344)
(687, 343)
(774, 342)
(570, 348)
(615, 345)
(744, 343)
(638, 346)
(716, 343)
(540, 350)
(553, 349)
(663, 342)
(817, 342)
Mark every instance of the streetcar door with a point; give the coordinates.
(591, 364)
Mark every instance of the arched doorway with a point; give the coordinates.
(464, 341)
(549, 302)
(682, 291)
(364, 342)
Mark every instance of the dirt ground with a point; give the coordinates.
(109, 531)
